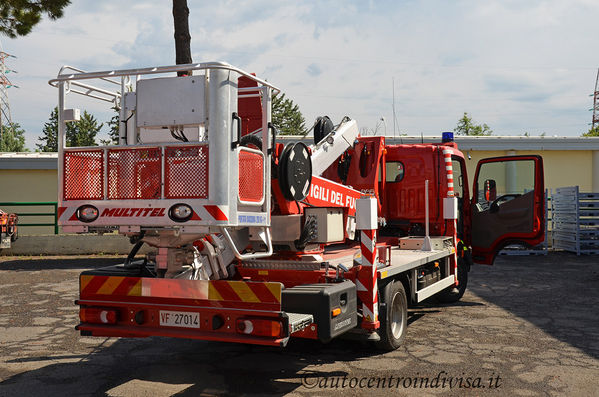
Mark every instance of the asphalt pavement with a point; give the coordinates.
(526, 326)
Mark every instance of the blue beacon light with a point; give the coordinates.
(446, 137)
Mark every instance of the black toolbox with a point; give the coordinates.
(320, 300)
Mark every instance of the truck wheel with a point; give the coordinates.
(394, 319)
(454, 294)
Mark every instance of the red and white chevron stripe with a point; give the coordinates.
(449, 171)
(366, 282)
(450, 193)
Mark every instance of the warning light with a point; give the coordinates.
(259, 327)
(97, 316)
(447, 137)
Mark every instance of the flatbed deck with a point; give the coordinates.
(401, 260)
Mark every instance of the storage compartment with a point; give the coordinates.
(171, 101)
(320, 300)
(329, 223)
(428, 275)
(284, 228)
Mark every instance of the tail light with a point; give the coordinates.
(180, 212)
(97, 315)
(259, 327)
(87, 213)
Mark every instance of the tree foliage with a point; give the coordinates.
(13, 139)
(49, 136)
(78, 133)
(84, 131)
(113, 125)
(18, 17)
(467, 127)
(286, 116)
(592, 131)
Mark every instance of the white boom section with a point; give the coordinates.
(333, 145)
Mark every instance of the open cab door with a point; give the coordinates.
(508, 205)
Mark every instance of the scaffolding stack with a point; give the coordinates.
(575, 220)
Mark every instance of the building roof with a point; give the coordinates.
(48, 160)
(28, 161)
(494, 142)
(513, 142)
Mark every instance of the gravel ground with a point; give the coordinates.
(526, 326)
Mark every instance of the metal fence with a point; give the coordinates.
(575, 220)
(52, 212)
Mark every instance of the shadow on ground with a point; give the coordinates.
(197, 367)
(52, 263)
(558, 293)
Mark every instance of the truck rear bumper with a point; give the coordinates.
(144, 320)
(229, 311)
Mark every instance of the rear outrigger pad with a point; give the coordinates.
(295, 171)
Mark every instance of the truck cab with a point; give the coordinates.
(504, 206)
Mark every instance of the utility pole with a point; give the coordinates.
(595, 109)
(5, 84)
(394, 116)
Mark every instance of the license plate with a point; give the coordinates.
(179, 319)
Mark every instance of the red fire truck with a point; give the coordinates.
(9, 231)
(255, 241)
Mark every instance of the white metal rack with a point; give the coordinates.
(575, 220)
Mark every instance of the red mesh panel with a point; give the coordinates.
(83, 175)
(186, 169)
(134, 173)
(251, 177)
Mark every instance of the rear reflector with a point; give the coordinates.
(97, 316)
(259, 327)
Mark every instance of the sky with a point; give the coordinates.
(518, 66)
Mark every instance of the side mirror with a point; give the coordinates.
(490, 190)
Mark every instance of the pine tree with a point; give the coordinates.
(18, 17)
(286, 116)
(113, 124)
(84, 131)
(13, 139)
(78, 133)
(50, 133)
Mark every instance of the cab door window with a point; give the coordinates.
(501, 182)
(458, 178)
(458, 190)
(395, 171)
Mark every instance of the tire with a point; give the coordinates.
(251, 141)
(394, 319)
(323, 127)
(454, 294)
